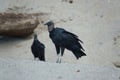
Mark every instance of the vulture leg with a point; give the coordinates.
(58, 53)
(58, 59)
(62, 52)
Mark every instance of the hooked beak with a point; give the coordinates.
(45, 24)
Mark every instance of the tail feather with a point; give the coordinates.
(78, 53)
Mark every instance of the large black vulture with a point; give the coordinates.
(64, 39)
(38, 49)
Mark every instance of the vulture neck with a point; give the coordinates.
(35, 38)
(50, 28)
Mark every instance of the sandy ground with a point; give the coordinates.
(96, 22)
(32, 70)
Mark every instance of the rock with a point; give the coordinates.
(78, 70)
(19, 24)
(70, 1)
(117, 64)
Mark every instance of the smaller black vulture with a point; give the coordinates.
(65, 40)
(38, 49)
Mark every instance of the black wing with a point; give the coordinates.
(70, 37)
(64, 38)
(37, 48)
(73, 35)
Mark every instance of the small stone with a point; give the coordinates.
(59, 77)
(117, 64)
(71, 1)
(101, 16)
(78, 70)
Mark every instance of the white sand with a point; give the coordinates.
(32, 70)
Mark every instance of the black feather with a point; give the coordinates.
(37, 49)
(68, 40)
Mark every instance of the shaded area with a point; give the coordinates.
(7, 39)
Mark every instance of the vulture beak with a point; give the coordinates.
(46, 23)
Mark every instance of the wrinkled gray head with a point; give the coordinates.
(35, 36)
(50, 25)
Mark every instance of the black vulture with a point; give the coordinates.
(38, 49)
(64, 39)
